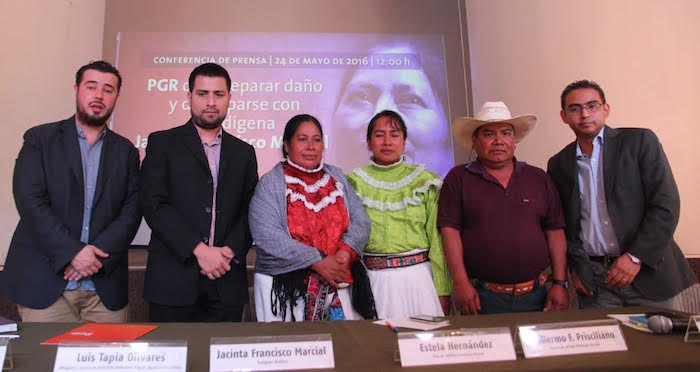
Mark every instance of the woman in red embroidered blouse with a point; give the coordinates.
(310, 277)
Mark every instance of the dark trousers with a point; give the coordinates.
(604, 296)
(495, 303)
(207, 308)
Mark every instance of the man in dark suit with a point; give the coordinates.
(197, 181)
(622, 207)
(76, 189)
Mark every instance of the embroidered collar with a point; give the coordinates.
(392, 186)
(323, 203)
(398, 162)
(413, 199)
(313, 188)
(305, 170)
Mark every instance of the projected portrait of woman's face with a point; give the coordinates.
(410, 93)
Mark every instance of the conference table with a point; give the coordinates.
(363, 346)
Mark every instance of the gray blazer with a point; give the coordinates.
(643, 204)
(279, 253)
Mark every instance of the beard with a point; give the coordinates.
(92, 120)
(207, 124)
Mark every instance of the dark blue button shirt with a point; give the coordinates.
(90, 156)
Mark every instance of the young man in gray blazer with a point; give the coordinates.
(622, 207)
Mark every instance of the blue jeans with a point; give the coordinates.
(494, 303)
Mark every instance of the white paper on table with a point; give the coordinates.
(408, 323)
(625, 319)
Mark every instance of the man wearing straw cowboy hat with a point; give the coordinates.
(501, 221)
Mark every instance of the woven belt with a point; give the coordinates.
(517, 289)
(392, 262)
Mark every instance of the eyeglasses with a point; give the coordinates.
(592, 106)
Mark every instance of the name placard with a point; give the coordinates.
(122, 356)
(571, 338)
(3, 351)
(456, 346)
(271, 353)
(692, 332)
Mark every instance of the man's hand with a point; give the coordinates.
(228, 253)
(579, 286)
(466, 298)
(622, 272)
(71, 274)
(212, 261)
(330, 270)
(557, 298)
(85, 263)
(445, 304)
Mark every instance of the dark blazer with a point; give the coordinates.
(49, 194)
(644, 206)
(176, 198)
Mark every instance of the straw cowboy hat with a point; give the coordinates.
(491, 112)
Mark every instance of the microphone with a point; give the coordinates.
(664, 324)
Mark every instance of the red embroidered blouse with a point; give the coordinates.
(316, 211)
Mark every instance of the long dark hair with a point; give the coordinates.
(293, 124)
(394, 119)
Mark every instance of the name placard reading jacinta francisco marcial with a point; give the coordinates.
(455, 346)
(584, 337)
(271, 353)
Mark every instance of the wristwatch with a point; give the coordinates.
(634, 258)
(563, 283)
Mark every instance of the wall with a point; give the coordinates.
(643, 53)
(43, 43)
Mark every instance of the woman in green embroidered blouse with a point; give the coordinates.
(407, 268)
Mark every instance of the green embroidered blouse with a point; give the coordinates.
(401, 201)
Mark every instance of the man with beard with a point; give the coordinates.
(75, 185)
(197, 181)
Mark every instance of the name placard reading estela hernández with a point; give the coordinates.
(457, 346)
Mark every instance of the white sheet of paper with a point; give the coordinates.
(625, 319)
(408, 323)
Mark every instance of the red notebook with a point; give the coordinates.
(102, 332)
